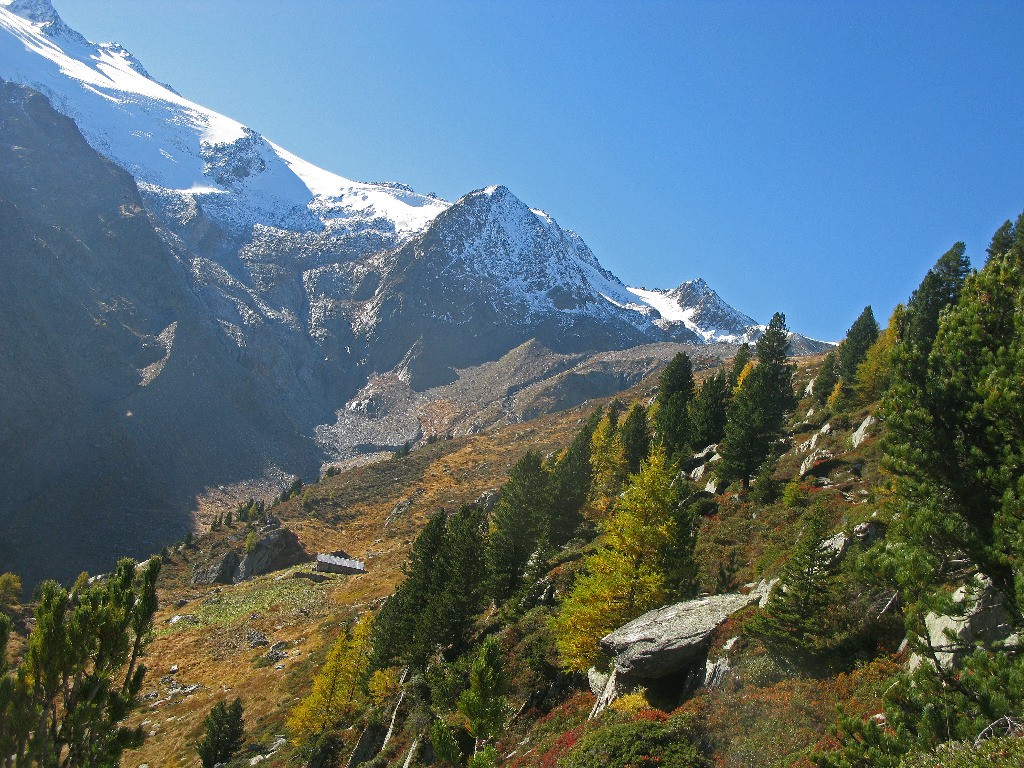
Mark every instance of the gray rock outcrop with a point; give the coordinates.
(863, 431)
(221, 571)
(276, 550)
(983, 621)
(667, 640)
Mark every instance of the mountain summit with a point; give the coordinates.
(216, 303)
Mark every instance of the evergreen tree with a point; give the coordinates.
(398, 632)
(636, 438)
(855, 346)
(675, 391)
(739, 362)
(953, 448)
(827, 377)
(792, 625)
(484, 704)
(954, 440)
(571, 479)
(520, 524)
(708, 411)
(446, 746)
(80, 675)
(757, 412)
(224, 734)
(772, 357)
(460, 576)
(875, 374)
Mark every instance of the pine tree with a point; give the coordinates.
(446, 746)
(519, 525)
(708, 411)
(80, 675)
(855, 346)
(484, 704)
(398, 632)
(772, 356)
(827, 377)
(791, 625)
(636, 438)
(338, 693)
(954, 438)
(571, 480)
(758, 408)
(875, 374)
(224, 734)
(675, 391)
(460, 577)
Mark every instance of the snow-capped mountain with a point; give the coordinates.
(176, 148)
(199, 170)
(696, 306)
(487, 275)
(188, 305)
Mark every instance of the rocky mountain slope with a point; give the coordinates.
(118, 394)
(263, 302)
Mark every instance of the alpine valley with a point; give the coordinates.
(191, 313)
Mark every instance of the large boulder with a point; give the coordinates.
(280, 548)
(667, 640)
(220, 571)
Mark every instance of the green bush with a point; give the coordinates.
(640, 744)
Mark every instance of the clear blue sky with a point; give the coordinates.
(809, 157)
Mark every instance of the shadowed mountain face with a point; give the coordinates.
(120, 398)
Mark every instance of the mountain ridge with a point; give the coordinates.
(302, 295)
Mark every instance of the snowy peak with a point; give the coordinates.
(525, 255)
(36, 11)
(694, 305)
(182, 153)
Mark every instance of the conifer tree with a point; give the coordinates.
(80, 676)
(607, 461)
(636, 438)
(708, 411)
(954, 440)
(633, 571)
(791, 625)
(571, 479)
(224, 733)
(484, 704)
(398, 635)
(855, 346)
(519, 525)
(675, 391)
(758, 408)
(875, 374)
(460, 576)
(827, 377)
(338, 693)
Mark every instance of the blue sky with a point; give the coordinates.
(804, 157)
